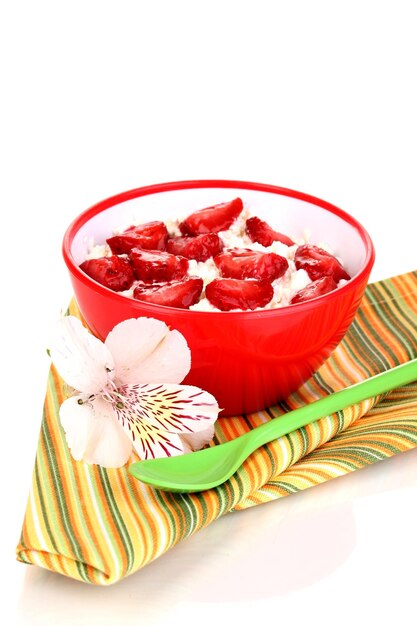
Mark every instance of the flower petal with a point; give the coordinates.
(169, 408)
(82, 360)
(156, 417)
(196, 441)
(93, 432)
(146, 351)
(151, 442)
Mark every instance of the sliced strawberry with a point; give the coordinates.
(181, 293)
(113, 272)
(318, 263)
(314, 289)
(245, 263)
(149, 236)
(261, 232)
(199, 248)
(154, 266)
(213, 219)
(230, 293)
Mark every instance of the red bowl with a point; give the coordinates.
(247, 359)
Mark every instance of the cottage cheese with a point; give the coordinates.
(284, 287)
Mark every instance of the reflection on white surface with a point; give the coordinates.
(266, 553)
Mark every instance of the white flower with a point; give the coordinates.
(123, 394)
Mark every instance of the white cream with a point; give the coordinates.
(206, 270)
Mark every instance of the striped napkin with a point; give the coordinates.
(98, 525)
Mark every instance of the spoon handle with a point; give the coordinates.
(337, 401)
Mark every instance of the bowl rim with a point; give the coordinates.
(137, 192)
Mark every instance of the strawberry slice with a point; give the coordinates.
(154, 266)
(245, 263)
(314, 289)
(181, 293)
(318, 263)
(213, 219)
(113, 272)
(261, 232)
(230, 293)
(149, 236)
(200, 248)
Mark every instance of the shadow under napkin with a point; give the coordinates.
(99, 525)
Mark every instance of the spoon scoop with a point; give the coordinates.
(211, 467)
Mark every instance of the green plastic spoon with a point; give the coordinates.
(213, 466)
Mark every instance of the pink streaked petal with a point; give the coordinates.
(146, 351)
(81, 359)
(179, 409)
(93, 433)
(152, 443)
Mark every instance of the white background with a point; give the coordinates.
(101, 97)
